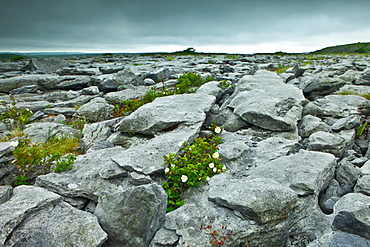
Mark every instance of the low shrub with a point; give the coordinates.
(198, 162)
(33, 159)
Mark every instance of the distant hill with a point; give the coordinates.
(348, 48)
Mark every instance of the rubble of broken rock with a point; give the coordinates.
(298, 174)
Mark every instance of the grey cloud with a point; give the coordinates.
(87, 24)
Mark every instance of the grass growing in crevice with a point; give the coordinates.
(365, 95)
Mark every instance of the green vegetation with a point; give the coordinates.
(186, 83)
(361, 130)
(365, 95)
(218, 238)
(197, 164)
(13, 118)
(17, 58)
(33, 159)
(355, 48)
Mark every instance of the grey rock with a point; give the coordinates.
(67, 111)
(350, 76)
(166, 112)
(259, 199)
(340, 239)
(352, 215)
(128, 228)
(5, 193)
(93, 90)
(314, 88)
(42, 81)
(95, 110)
(296, 70)
(75, 71)
(363, 185)
(36, 215)
(210, 88)
(306, 172)
(139, 179)
(165, 237)
(364, 79)
(162, 74)
(60, 118)
(126, 94)
(347, 174)
(41, 132)
(73, 82)
(25, 89)
(310, 124)
(111, 69)
(95, 133)
(335, 143)
(93, 174)
(339, 106)
(268, 102)
(350, 122)
(365, 169)
(355, 89)
(128, 77)
(47, 65)
(8, 173)
(147, 158)
(21, 206)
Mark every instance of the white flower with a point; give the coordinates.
(224, 168)
(211, 165)
(208, 178)
(216, 155)
(173, 166)
(218, 130)
(14, 143)
(184, 178)
(181, 143)
(166, 170)
(215, 169)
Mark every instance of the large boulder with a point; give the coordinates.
(268, 103)
(46, 65)
(37, 217)
(167, 112)
(42, 81)
(352, 215)
(132, 216)
(305, 172)
(95, 110)
(259, 199)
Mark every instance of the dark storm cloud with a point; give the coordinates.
(123, 25)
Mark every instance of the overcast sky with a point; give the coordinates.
(232, 26)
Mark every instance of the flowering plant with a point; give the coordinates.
(198, 163)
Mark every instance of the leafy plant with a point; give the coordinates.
(361, 130)
(198, 162)
(14, 118)
(33, 159)
(218, 238)
(225, 84)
